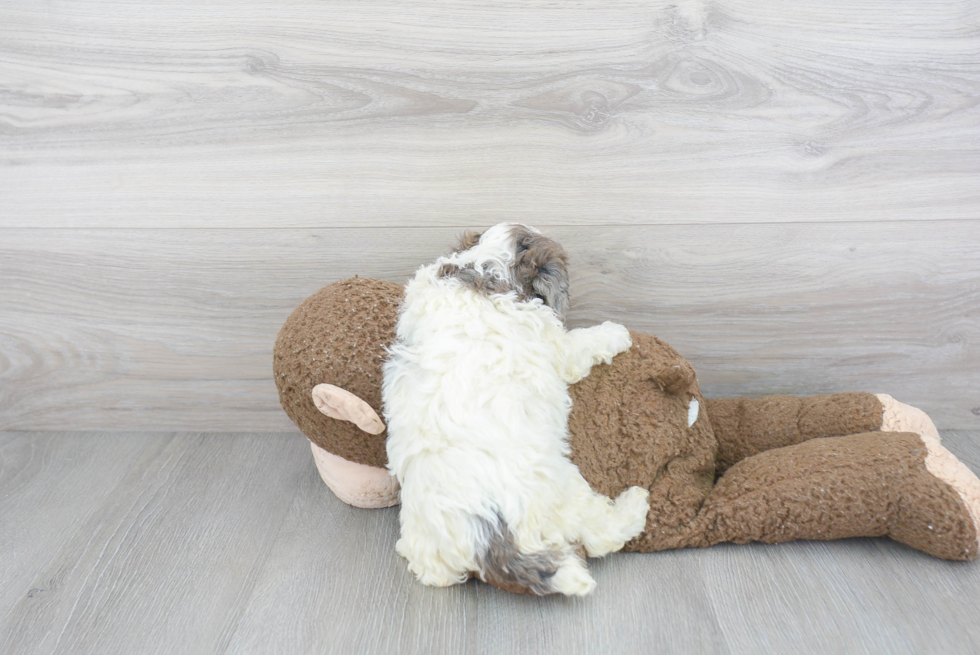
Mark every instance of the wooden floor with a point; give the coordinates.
(230, 543)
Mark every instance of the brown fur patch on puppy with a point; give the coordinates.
(483, 284)
(467, 240)
(505, 567)
(541, 269)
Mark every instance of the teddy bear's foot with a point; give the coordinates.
(359, 485)
(945, 467)
(899, 417)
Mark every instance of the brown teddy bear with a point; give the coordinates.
(727, 470)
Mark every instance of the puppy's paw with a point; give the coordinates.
(439, 578)
(428, 567)
(632, 506)
(572, 578)
(615, 339)
(627, 519)
(435, 574)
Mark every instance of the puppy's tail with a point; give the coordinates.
(545, 572)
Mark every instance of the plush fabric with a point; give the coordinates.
(747, 427)
(768, 469)
(338, 336)
(863, 485)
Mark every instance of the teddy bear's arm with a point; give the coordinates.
(745, 427)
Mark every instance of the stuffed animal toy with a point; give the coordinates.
(737, 470)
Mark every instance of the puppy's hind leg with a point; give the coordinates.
(600, 524)
(572, 577)
(440, 548)
(504, 566)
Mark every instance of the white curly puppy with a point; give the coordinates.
(476, 400)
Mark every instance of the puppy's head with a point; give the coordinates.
(541, 269)
(512, 257)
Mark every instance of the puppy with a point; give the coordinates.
(475, 395)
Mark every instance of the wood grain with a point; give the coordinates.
(51, 486)
(230, 543)
(164, 562)
(329, 114)
(788, 193)
(173, 329)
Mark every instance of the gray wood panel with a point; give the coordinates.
(51, 486)
(230, 543)
(313, 114)
(165, 561)
(173, 329)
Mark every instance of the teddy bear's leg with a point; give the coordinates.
(896, 484)
(746, 427)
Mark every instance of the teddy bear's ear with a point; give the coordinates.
(343, 405)
(676, 377)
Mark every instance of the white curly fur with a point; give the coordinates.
(476, 401)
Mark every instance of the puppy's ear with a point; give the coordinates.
(467, 240)
(541, 270)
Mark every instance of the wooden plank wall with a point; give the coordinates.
(787, 192)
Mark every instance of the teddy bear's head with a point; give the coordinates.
(338, 337)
